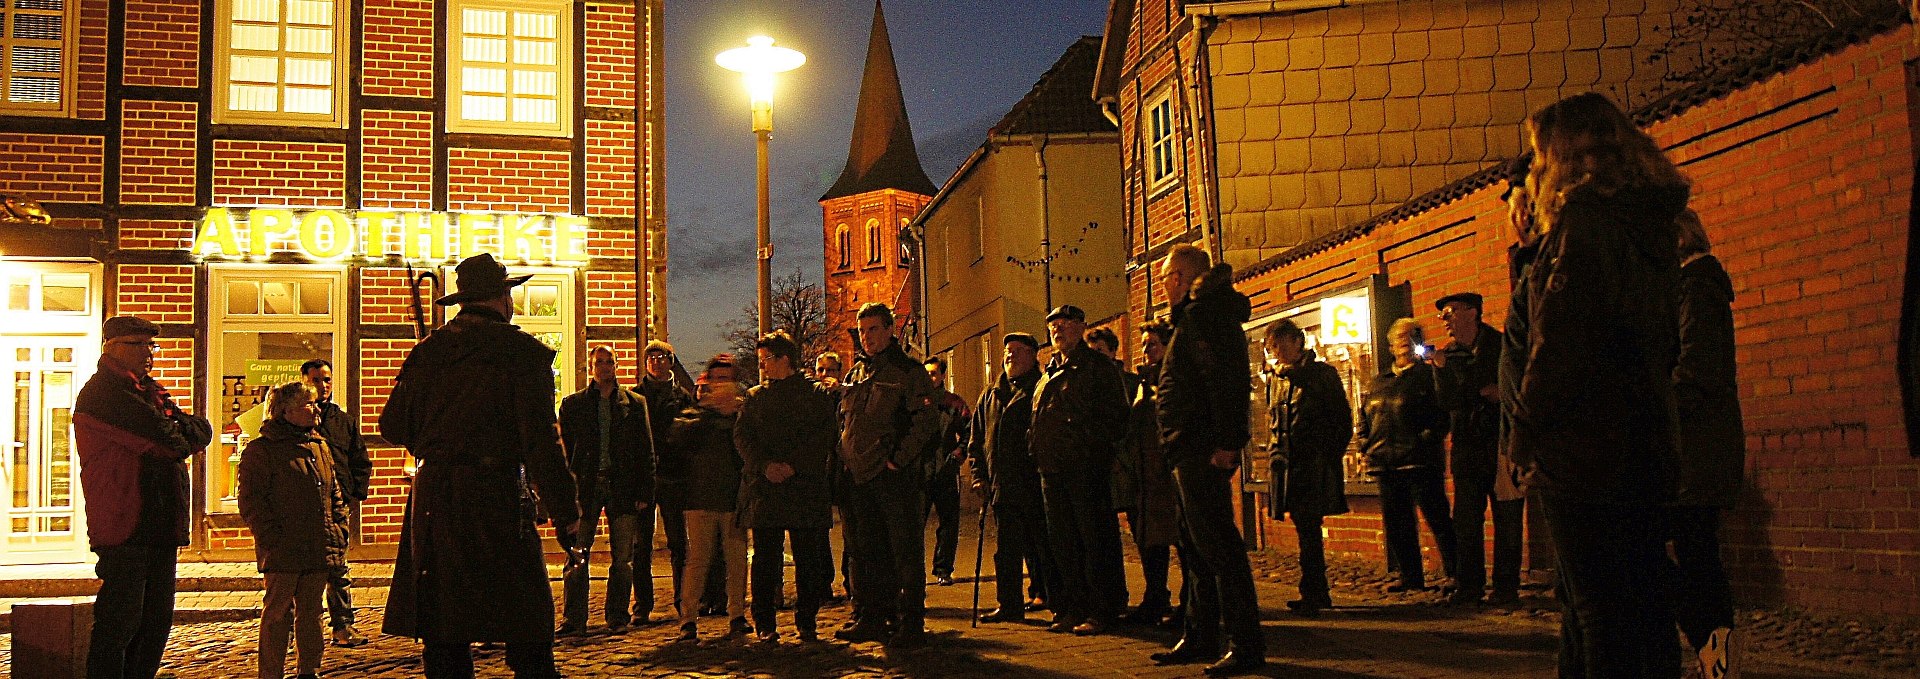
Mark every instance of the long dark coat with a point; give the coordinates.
(1312, 425)
(1713, 441)
(1002, 462)
(1206, 382)
(791, 420)
(474, 402)
(1144, 482)
(665, 399)
(292, 501)
(1079, 413)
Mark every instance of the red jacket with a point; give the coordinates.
(133, 443)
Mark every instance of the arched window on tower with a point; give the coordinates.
(874, 242)
(843, 246)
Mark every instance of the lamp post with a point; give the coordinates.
(759, 61)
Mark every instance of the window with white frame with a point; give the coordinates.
(281, 62)
(511, 71)
(1162, 158)
(36, 56)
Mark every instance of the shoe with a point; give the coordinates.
(864, 632)
(307, 676)
(1036, 604)
(767, 636)
(1501, 597)
(712, 610)
(1184, 653)
(1406, 587)
(1308, 607)
(1176, 620)
(907, 638)
(1065, 622)
(570, 630)
(1091, 627)
(1718, 658)
(345, 637)
(689, 632)
(739, 627)
(1235, 662)
(1003, 615)
(943, 580)
(616, 626)
(809, 636)
(1145, 614)
(1463, 597)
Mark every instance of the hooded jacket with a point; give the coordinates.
(1594, 420)
(1205, 380)
(290, 497)
(1713, 440)
(133, 443)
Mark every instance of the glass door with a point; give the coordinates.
(42, 473)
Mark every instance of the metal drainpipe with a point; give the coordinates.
(1046, 225)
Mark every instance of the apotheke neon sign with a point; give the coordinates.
(375, 234)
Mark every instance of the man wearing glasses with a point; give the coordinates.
(133, 442)
(353, 472)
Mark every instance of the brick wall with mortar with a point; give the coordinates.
(1802, 181)
(861, 282)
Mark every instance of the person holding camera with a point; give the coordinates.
(1401, 428)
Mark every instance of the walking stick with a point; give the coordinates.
(979, 555)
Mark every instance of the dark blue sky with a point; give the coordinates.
(962, 65)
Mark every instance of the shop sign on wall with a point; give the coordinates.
(413, 236)
(273, 372)
(1345, 320)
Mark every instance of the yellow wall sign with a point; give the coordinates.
(415, 236)
(1345, 320)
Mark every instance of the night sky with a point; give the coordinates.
(962, 65)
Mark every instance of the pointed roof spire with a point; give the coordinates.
(882, 155)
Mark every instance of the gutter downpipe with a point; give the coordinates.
(1046, 225)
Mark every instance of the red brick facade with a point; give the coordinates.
(136, 214)
(874, 272)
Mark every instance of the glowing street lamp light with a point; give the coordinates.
(759, 61)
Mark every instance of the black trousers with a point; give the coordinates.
(133, 613)
(339, 585)
(1699, 594)
(673, 520)
(1020, 538)
(1221, 589)
(1313, 558)
(1155, 560)
(889, 571)
(943, 502)
(1470, 500)
(454, 660)
(1615, 621)
(643, 564)
(1084, 535)
(812, 574)
(1400, 491)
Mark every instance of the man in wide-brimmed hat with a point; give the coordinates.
(474, 402)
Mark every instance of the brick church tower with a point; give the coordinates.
(881, 189)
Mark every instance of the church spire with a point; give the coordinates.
(882, 155)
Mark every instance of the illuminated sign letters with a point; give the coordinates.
(1345, 320)
(416, 236)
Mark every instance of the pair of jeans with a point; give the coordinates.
(620, 530)
(673, 520)
(712, 534)
(292, 605)
(1615, 621)
(642, 564)
(1400, 491)
(812, 574)
(1220, 590)
(1084, 534)
(454, 660)
(1471, 498)
(1701, 597)
(1020, 539)
(943, 502)
(1155, 560)
(889, 575)
(339, 585)
(1313, 558)
(133, 612)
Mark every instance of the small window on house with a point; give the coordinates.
(874, 242)
(1162, 157)
(843, 245)
(37, 39)
(280, 62)
(511, 70)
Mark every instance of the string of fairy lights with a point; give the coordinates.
(1045, 261)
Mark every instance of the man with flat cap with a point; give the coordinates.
(133, 442)
(474, 402)
(1466, 378)
(1079, 418)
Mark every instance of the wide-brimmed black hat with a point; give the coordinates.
(1068, 311)
(480, 278)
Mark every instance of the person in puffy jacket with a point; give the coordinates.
(1402, 434)
(292, 502)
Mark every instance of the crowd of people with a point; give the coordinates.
(1608, 399)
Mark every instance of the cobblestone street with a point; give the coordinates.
(1371, 634)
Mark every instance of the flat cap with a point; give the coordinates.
(1068, 311)
(127, 326)
(1471, 299)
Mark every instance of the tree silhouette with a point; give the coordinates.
(799, 307)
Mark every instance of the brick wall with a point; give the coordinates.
(385, 297)
(610, 55)
(158, 293)
(154, 234)
(52, 167)
(173, 369)
(397, 160)
(515, 181)
(157, 152)
(163, 43)
(380, 515)
(610, 187)
(398, 59)
(610, 298)
(279, 174)
(1802, 181)
(90, 63)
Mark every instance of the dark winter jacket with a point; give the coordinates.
(888, 415)
(951, 449)
(1474, 419)
(290, 497)
(1142, 481)
(629, 450)
(1206, 381)
(475, 403)
(665, 401)
(1401, 423)
(1513, 351)
(1712, 437)
(1595, 418)
(1312, 425)
(352, 467)
(1002, 461)
(133, 443)
(791, 421)
(705, 438)
(1079, 413)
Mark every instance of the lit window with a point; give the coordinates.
(281, 62)
(511, 71)
(1160, 136)
(873, 241)
(37, 39)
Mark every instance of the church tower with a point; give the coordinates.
(881, 189)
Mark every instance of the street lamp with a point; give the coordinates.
(759, 61)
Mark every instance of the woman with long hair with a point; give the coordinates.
(1594, 429)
